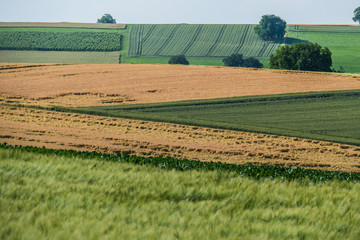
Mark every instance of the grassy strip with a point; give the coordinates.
(247, 170)
(55, 197)
(82, 57)
(329, 116)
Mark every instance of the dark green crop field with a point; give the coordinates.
(330, 116)
(45, 40)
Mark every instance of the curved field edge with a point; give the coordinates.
(206, 113)
(246, 170)
(56, 197)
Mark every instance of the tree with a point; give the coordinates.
(302, 56)
(237, 60)
(107, 18)
(356, 17)
(271, 28)
(179, 59)
(252, 63)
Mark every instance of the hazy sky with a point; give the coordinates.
(179, 11)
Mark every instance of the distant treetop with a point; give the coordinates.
(107, 18)
(271, 28)
(356, 17)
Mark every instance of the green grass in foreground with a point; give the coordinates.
(11, 56)
(330, 116)
(53, 197)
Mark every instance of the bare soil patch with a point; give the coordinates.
(24, 126)
(100, 84)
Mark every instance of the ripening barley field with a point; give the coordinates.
(48, 196)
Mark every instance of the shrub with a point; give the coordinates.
(237, 60)
(179, 59)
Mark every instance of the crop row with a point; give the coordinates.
(60, 41)
(197, 40)
(248, 170)
(61, 25)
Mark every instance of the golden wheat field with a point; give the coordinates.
(98, 84)
(56, 130)
(86, 85)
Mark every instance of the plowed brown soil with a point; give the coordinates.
(99, 84)
(25, 126)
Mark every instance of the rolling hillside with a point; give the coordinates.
(197, 40)
(202, 44)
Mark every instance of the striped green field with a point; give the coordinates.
(330, 116)
(343, 42)
(197, 40)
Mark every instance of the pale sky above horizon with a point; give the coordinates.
(179, 11)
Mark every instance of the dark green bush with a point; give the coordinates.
(237, 60)
(302, 56)
(179, 59)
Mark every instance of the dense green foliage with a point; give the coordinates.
(248, 170)
(197, 40)
(237, 60)
(60, 40)
(330, 116)
(44, 196)
(342, 41)
(302, 56)
(178, 59)
(106, 18)
(271, 28)
(356, 17)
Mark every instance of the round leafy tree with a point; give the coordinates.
(237, 60)
(356, 17)
(107, 18)
(302, 56)
(179, 59)
(271, 28)
(252, 63)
